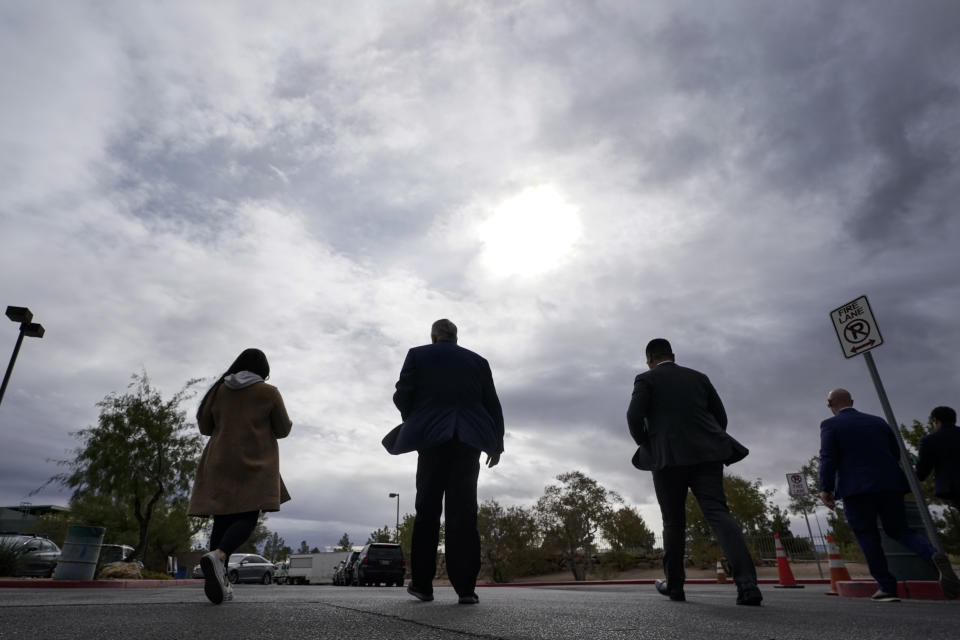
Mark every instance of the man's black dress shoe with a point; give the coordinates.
(673, 594)
(749, 596)
(418, 594)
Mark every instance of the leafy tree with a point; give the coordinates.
(53, 526)
(344, 544)
(172, 532)
(136, 465)
(626, 530)
(275, 548)
(571, 516)
(780, 522)
(382, 535)
(304, 547)
(315, 550)
(406, 533)
(507, 539)
(809, 502)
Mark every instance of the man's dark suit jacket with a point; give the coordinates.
(859, 454)
(940, 453)
(444, 391)
(677, 419)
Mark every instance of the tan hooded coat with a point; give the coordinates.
(240, 467)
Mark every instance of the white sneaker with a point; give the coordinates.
(227, 591)
(213, 577)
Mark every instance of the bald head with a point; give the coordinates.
(839, 399)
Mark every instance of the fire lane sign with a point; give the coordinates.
(796, 485)
(856, 328)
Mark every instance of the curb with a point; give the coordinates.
(96, 584)
(906, 589)
(601, 583)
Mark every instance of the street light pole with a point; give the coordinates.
(397, 496)
(27, 328)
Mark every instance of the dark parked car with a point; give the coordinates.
(349, 572)
(338, 573)
(38, 556)
(249, 567)
(381, 562)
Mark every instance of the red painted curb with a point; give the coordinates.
(600, 583)
(921, 590)
(906, 589)
(95, 584)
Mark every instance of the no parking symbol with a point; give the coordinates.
(796, 486)
(856, 328)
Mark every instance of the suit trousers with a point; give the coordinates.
(706, 482)
(862, 511)
(447, 474)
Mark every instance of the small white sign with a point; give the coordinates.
(856, 329)
(796, 485)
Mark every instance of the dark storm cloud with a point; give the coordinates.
(738, 170)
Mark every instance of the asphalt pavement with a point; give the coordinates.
(527, 613)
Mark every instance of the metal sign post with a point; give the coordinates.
(904, 458)
(797, 487)
(858, 333)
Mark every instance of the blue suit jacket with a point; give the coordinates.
(444, 391)
(859, 454)
(940, 452)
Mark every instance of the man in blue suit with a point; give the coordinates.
(450, 413)
(940, 453)
(859, 462)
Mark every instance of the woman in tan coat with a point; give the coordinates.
(239, 471)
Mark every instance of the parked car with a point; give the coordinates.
(349, 572)
(197, 572)
(338, 573)
(115, 553)
(249, 567)
(280, 575)
(38, 555)
(381, 562)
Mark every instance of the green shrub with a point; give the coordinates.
(10, 559)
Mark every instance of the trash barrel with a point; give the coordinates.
(78, 557)
(903, 563)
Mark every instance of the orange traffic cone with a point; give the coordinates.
(721, 574)
(838, 572)
(787, 580)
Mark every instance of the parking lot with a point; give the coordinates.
(594, 612)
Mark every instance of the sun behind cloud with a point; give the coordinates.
(530, 233)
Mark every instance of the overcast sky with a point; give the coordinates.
(563, 180)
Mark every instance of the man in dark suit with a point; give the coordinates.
(860, 463)
(679, 423)
(450, 413)
(940, 453)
